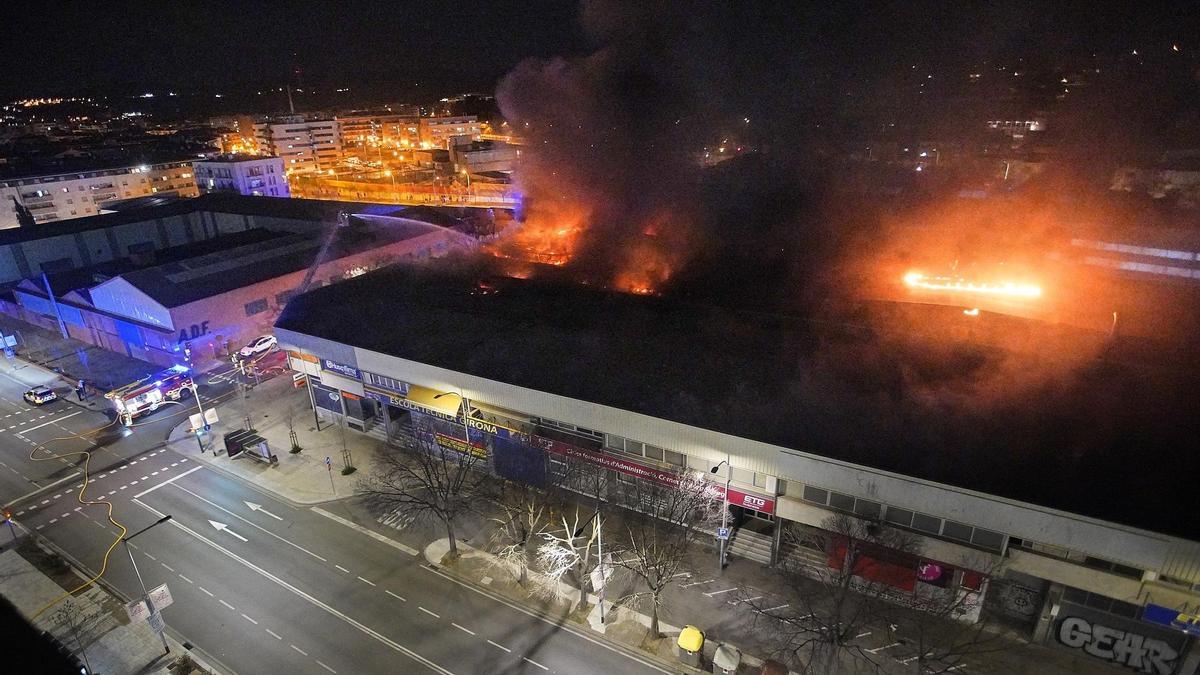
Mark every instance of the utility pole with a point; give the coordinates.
(146, 594)
(723, 541)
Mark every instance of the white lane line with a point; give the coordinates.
(681, 574)
(370, 533)
(166, 482)
(299, 650)
(862, 635)
(499, 646)
(151, 557)
(342, 569)
(248, 522)
(53, 521)
(275, 635)
(712, 593)
(57, 496)
(231, 607)
(122, 487)
(39, 527)
(436, 616)
(185, 578)
(908, 660)
(879, 649)
(153, 473)
(20, 513)
(169, 568)
(309, 598)
(206, 591)
(50, 422)
(468, 631)
(326, 667)
(367, 582)
(395, 596)
(249, 619)
(45, 502)
(112, 492)
(78, 508)
(525, 658)
(734, 602)
(174, 463)
(145, 477)
(774, 608)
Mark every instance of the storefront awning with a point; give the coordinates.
(421, 399)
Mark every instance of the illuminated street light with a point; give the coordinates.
(724, 511)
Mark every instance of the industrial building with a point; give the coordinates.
(647, 388)
(217, 273)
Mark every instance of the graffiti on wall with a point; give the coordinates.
(1126, 648)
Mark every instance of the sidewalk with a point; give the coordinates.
(104, 634)
(302, 478)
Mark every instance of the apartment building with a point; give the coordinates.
(243, 174)
(306, 146)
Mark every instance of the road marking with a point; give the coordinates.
(227, 605)
(50, 422)
(169, 568)
(39, 527)
(249, 619)
(326, 667)
(862, 635)
(20, 513)
(365, 581)
(145, 477)
(697, 583)
(185, 578)
(495, 597)
(122, 487)
(342, 569)
(879, 649)
(45, 502)
(222, 527)
(174, 463)
(57, 496)
(249, 522)
(299, 650)
(206, 591)
(499, 646)
(112, 492)
(273, 634)
(908, 660)
(53, 521)
(78, 508)
(395, 596)
(525, 658)
(258, 507)
(154, 473)
(309, 598)
(370, 533)
(151, 557)
(681, 574)
(428, 612)
(734, 602)
(712, 593)
(465, 630)
(773, 609)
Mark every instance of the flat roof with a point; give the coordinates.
(1104, 438)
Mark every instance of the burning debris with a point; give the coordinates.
(958, 284)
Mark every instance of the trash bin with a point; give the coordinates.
(690, 643)
(726, 659)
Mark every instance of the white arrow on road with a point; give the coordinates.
(225, 528)
(258, 507)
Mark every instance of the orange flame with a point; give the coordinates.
(916, 280)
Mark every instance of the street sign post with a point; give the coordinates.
(137, 610)
(723, 533)
(161, 597)
(329, 468)
(156, 623)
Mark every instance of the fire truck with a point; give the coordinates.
(148, 393)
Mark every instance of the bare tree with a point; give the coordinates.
(567, 549)
(853, 590)
(76, 626)
(653, 546)
(430, 478)
(526, 513)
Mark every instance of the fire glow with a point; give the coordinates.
(960, 285)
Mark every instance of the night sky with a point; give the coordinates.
(750, 52)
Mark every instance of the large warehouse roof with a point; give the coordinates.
(1099, 439)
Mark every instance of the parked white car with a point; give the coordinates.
(259, 345)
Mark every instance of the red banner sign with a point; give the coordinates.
(666, 477)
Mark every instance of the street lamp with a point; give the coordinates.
(145, 593)
(466, 413)
(724, 511)
(599, 554)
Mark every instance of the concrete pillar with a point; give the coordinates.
(1048, 614)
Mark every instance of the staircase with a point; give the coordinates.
(751, 545)
(795, 556)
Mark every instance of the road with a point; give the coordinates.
(259, 584)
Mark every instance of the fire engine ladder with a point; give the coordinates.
(342, 221)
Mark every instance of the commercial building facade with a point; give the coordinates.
(248, 175)
(1071, 580)
(78, 194)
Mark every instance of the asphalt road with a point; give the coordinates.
(258, 584)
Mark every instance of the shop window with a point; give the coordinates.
(676, 458)
(614, 442)
(781, 486)
(898, 516)
(841, 502)
(815, 495)
(633, 447)
(867, 509)
(256, 307)
(1115, 568)
(956, 531)
(760, 480)
(926, 523)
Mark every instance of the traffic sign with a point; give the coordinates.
(208, 427)
(161, 597)
(722, 533)
(137, 610)
(156, 622)
(10, 341)
(328, 463)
